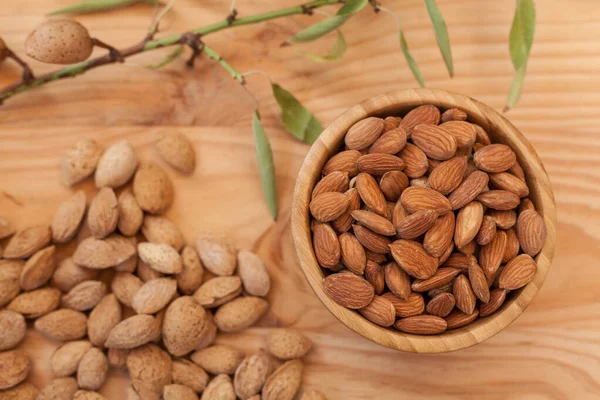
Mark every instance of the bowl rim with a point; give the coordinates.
(492, 121)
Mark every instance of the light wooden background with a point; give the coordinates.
(551, 352)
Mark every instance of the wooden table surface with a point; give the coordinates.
(551, 352)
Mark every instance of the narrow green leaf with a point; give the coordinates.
(172, 56)
(90, 6)
(441, 33)
(336, 52)
(319, 29)
(265, 164)
(410, 60)
(521, 32)
(297, 120)
(515, 89)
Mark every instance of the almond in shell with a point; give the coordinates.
(35, 303)
(286, 344)
(14, 368)
(189, 374)
(12, 329)
(68, 218)
(62, 324)
(240, 313)
(26, 242)
(153, 189)
(103, 253)
(219, 388)
(103, 214)
(66, 358)
(132, 332)
(160, 257)
(116, 165)
(125, 285)
(88, 395)
(285, 381)
(84, 296)
(59, 388)
(92, 370)
(251, 375)
(103, 318)
(183, 325)
(158, 229)
(177, 150)
(218, 359)
(154, 295)
(217, 253)
(253, 274)
(80, 161)
(38, 269)
(192, 273)
(178, 392)
(150, 369)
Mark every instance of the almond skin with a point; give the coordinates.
(463, 293)
(343, 223)
(468, 190)
(441, 305)
(103, 253)
(504, 219)
(375, 275)
(344, 161)
(413, 305)
(183, 325)
(413, 259)
(487, 231)
(286, 344)
(454, 114)
(103, 318)
(84, 296)
(415, 161)
(463, 133)
(153, 189)
(251, 375)
(378, 164)
(240, 313)
(348, 290)
(374, 222)
(518, 272)
(178, 392)
(219, 388)
(352, 253)
(436, 142)
(103, 214)
(497, 297)
(328, 206)
(458, 319)
(334, 182)
(63, 324)
(189, 374)
(88, 395)
(154, 295)
(285, 382)
(392, 184)
(420, 198)
(177, 150)
(509, 182)
(92, 370)
(217, 253)
(499, 199)
(371, 240)
(468, 222)
(14, 368)
(12, 329)
(35, 303)
(25, 243)
(116, 165)
(397, 280)
(68, 274)
(59, 388)
(363, 133)
(371, 195)
(66, 358)
(160, 257)
(512, 246)
(494, 158)
(443, 276)
(531, 232)
(125, 285)
(390, 142)
(68, 217)
(380, 311)
(38, 269)
(132, 332)
(192, 273)
(439, 237)
(490, 255)
(390, 123)
(479, 283)
(417, 224)
(80, 161)
(326, 246)
(426, 114)
(446, 177)
(150, 369)
(218, 359)
(422, 325)
(460, 261)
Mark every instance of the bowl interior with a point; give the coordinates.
(500, 131)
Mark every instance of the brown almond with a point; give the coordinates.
(469, 248)
(183, 326)
(58, 389)
(518, 272)
(517, 171)
(377, 164)
(371, 195)
(390, 123)
(420, 198)
(240, 313)
(487, 231)
(375, 275)
(417, 224)
(446, 254)
(509, 182)
(375, 257)
(12, 330)
(446, 177)
(125, 285)
(103, 318)
(443, 276)
(415, 161)
(397, 280)
(116, 165)
(217, 253)
(413, 259)
(284, 382)
(158, 229)
(426, 114)
(531, 232)
(374, 222)
(460, 261)
(62, 324)
(363, 133)
(422, 325)
(504, 219)
(38, 269)
(390, 142)
(463, 132)
(398, 214)
(420, 182)
(441, 305)
(154, 295)
(454, 114)
(84, 296)
(178, 392)
(512, 246)
(192, 273)
(348, 290)
(525, 204)
(436, 142)
(286, 344)
(490, 255)
(336, 181)
(468, 190)
(177, 150)
(352, 253)
(218, 359)
(131, 215)
(328, 206)
(458, 319)
(497, 297)
(464, 295)
(371, 240)
(92, 370)
(439, 237)
(103, 214)
(326, 246)
(218, 291)
(494, 158)
(219, 388)
(153, 189)
(14, 368)
(68, 217)
(132, 332)
(413, 305)
(499, 199)
(66, 358)
(447, 288)
(189, 374)
(344, 161)
(150, 369)
(35, 303)
(468, 222)
(160, 257)
(380, 311)
(479, 283)
(481, 135)
(25, 243)
(344, 222)
(251, 375)
(68, 274)
(392, 184)
(80, 161)
(103, 253)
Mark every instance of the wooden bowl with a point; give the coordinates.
(500, 131)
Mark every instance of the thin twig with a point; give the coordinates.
(154, 26)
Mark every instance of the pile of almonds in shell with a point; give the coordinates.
(423, 222)
(134, 296)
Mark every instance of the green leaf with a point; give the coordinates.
(297, 120)
(172, 56)
(441, 33)
(265, 164)
(515, 89)
(521, 32)
(324, 27)
(90, 6)
(336, 52)
(410, 60)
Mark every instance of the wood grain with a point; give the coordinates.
(550, 352)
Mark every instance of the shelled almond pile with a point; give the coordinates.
(423, 222)
(134, 296)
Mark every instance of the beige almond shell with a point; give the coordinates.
(312, 394)
(66, 358)
(160, 257)
(219, 388)
(116, 165)
(218, 359)
(132, 332)
(117, 358)
(240, 313)
(10, 273)
(178, 392)
(68, 218)
(287, 344)
(209, 333)
(131, 215)
(103, 318)
(38, 269)
(157, 229)
(218, 254)
(103, 214)
(183, 326)
(14, 368)
(251, 375)
(92, 370)
(68, 275)
(284, 382)
(124, 286)
(88, 395)
(23, 391)
(254, 275)
(59, 389)
(63, 324)
(12, 329)
(36, 303)
(80, 161)
(146, 273)
(103, 253)
(154, 295)
(150, 369)
(84, 296)
(189, 374)
(59, 41)
(153, 189)
(218, 291)
(177, 150)
(28, 241)
(6, 227)
(192, 273)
